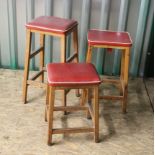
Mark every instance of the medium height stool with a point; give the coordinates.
(47, 25)
(72, 76)
(113, 40)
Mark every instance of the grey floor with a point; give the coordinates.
(149, 86)
(23, 130)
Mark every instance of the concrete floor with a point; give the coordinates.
(23, 130)
(149, 85)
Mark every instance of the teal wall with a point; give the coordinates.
(136, 17)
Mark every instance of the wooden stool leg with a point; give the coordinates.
(89, 93)
(64, 100)
(96, 114)
(42, 44)
(27, 62)
(47, 102)
(75, 43)
(50, 114)
(63, 60)
(83, 97)
(88, 60)
(122, 72)
(126, 70)
(89, 54)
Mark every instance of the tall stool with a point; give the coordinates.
(72, 76)
(113, 40)
(53, 26)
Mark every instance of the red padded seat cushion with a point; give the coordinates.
(72, 74)
(52, 24)
(112, 38)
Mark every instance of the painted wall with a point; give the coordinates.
(134, 16)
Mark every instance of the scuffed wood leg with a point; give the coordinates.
(47, 102)
(126, 70)
(96, 115)
(50, 115)
(42, 44)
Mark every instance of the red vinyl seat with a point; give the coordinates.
(71, 74)
(112, 38)
(52, 24)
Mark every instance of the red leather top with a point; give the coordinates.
(72, 74)
(112, 38)
(51, 24)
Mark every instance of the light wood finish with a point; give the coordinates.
(126, 70)
(89, 93)
(50, 114)
(36, 52)
(71, 58)
(75, 44)
(72, 130)
(27, 63)
(31, 81)
(63, 60)
(36, 84)
(122, 84)
(42, 44)
(93, 109)
(122, 72)
(47, 102)
(63, 49)
(37, 75)
(70, 108)
(83, 97)
(96, 115)
(89, 54)
(111, 97)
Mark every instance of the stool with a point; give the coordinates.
(53, 26)
(113, 40)
(71, 76)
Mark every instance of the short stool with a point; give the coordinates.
(72, 76)
(53, 26)
(113, 40)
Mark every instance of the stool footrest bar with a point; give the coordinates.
(71, 130)
(36, 52)
(70, 108)
(111, 97)
(37, 75)
(110, 81)
(72, 57)
(91, 111)
(36, 83)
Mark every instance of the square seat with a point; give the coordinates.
(111, 38)
(71, 74)
(52, 24)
